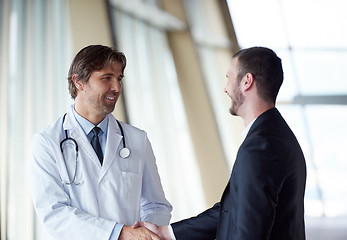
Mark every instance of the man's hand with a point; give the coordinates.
(130, 233)
(162, 231)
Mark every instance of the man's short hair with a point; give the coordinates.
(266, 68)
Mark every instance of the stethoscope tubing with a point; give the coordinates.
(123, 153)
(122, 132)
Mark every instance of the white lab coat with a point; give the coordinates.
(121, 191)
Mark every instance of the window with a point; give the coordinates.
(35, 53)
(153, 99)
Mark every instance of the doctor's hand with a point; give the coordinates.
(130, 233)
(162, 231)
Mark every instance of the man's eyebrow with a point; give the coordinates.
(121, 76)
(107, 74)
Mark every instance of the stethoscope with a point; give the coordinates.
(123, 153)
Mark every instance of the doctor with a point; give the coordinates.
(82, 186)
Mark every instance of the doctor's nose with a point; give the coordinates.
(116, 85)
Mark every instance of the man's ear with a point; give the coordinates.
(247, 82)
(77, 82)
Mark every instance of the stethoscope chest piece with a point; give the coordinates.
(124, 152)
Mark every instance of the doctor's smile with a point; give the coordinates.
(112, 99)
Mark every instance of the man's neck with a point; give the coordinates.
(255, 111)
(95, 119)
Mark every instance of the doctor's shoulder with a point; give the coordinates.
(134, 134)
(50, 134)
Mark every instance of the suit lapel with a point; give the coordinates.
(226, 192)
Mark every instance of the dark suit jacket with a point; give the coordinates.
(264, 198)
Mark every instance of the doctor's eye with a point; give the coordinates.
(106, 78)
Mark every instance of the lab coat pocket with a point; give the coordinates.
(130, 165)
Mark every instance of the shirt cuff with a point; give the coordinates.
(116, 231)
(171, 233)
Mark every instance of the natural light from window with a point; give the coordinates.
(311, 39)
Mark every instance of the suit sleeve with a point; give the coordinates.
(201, 227)
(256, 182)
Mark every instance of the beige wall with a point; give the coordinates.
(203, 127)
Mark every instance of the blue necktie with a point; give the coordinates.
(96, 144)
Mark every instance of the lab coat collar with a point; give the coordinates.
(76, 132)
(114, 138)
(70, 122)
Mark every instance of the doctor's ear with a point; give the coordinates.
(77, 82)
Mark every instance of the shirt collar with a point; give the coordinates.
(246, 130)
(88, 126)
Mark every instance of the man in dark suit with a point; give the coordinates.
(264, 198)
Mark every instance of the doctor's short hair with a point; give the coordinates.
(266, 68)
(92, 58)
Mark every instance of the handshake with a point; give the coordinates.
(146, 231)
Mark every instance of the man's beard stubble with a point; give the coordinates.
(236, 102)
